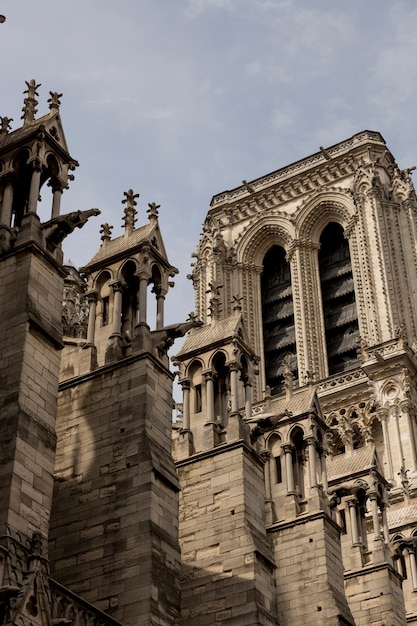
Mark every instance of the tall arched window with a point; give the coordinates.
(278, 319)
(338, 296)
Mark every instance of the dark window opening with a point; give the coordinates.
(278, 470)
(105, 311)
(343, 526)
(197, 399)
(338, 297)
(278, 319)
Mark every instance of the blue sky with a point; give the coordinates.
(182, 99)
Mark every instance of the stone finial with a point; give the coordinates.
(130, 211)
(214, 302)
(153, 211)
(54, 100)
(309, 377)
(236, 303)
(363, 348)
(5, 124)
(288, 377)
(30, 103)
(105, 233)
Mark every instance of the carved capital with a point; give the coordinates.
(352, 501)
(208, 375)
(92, 296)
(116, 285)
(185, 384)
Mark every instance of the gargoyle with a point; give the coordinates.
(59, 227)
(164, 338)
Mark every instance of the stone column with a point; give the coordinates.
(209, 397)
(373, 496)
(413, 565)
(266, 456)
(7, 205)
(234, 396)
(34, 187)
(405, 408)
(117, 307)
(383, 415)
(288, 449)
(210, 431)
(92, 307)
(185, 444)
(323, 469)
(312, 460)
(56, 198)
(160, 301)
(143, 293)
(248, 399)
(394, 414)
(352, 501)
(385, 527)
(185, 384)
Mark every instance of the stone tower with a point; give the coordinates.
(321, 257)
(31, 279)
(114, 530)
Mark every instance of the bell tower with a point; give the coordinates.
(323, 255)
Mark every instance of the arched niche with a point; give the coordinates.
(195, 376)
(104, 298)
(221, 386)
(276, 463)
(299, 461)
(22, 179)
(130, 298)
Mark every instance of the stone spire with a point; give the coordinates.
(30, 102)
(130, 211)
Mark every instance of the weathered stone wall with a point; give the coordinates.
(309, 575)
(30, 290)
(114, 529)
(227, 562)
(375, 596)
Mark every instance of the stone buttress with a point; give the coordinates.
(31, 287)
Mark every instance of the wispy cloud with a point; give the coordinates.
(194, 8)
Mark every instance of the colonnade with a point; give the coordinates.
(406, 547)
(9, 180)
(138, 314)
(316, 463)
(239, 393)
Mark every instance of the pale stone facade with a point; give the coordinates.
(306, 283)
(286, 494)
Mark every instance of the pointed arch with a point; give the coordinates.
(335, 205)
(255, 242)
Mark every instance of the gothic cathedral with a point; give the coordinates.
(285, 493)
